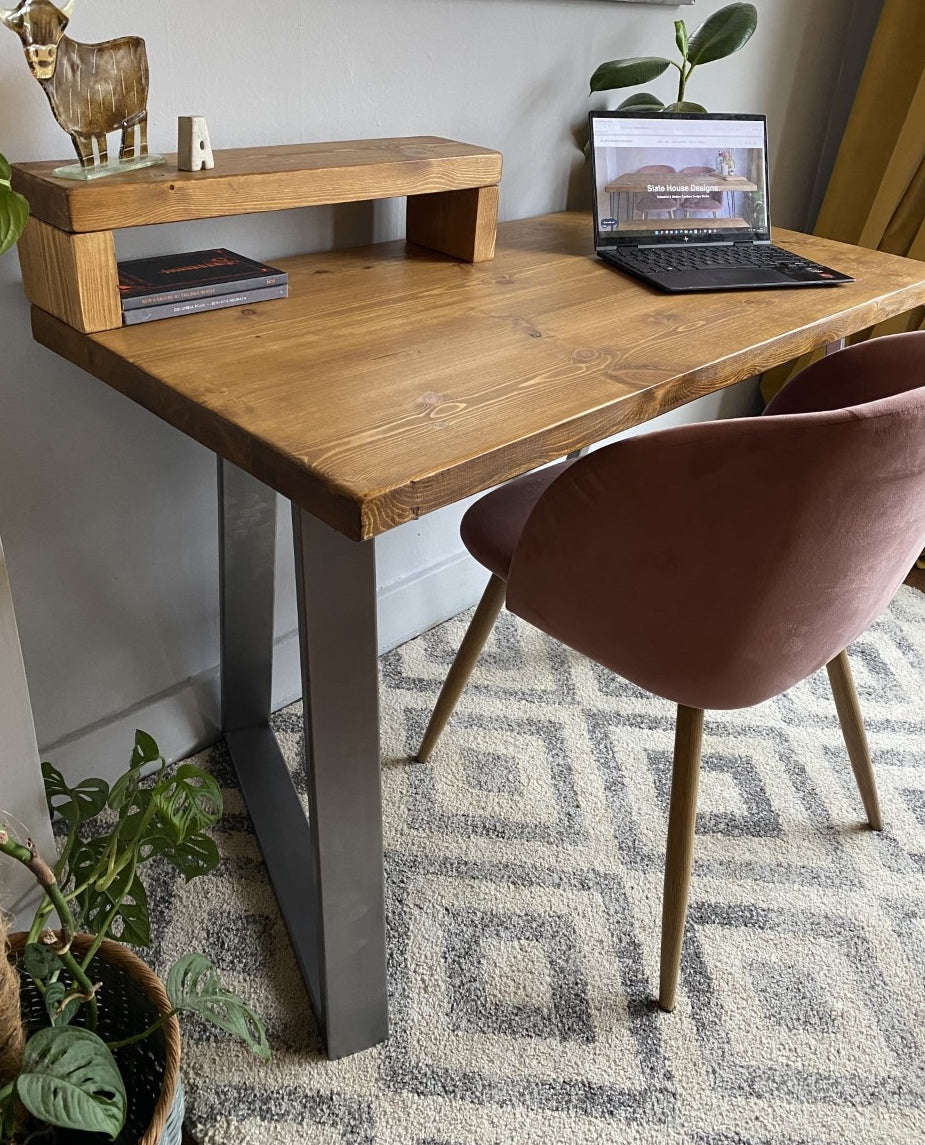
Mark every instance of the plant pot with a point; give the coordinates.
(130, 999)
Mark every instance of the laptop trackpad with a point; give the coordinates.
(726, 276)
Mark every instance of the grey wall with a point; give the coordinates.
(108, 516)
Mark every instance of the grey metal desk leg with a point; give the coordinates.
(336, 585)
(334, 912)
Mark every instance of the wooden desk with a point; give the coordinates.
(391, 382)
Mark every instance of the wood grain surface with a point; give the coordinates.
(394, 380)
(245, 180)
(73, 276)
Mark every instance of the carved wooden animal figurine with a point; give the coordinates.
(92, 88)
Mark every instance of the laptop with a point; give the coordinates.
(681, 203)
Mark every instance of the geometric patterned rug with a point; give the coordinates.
(524, 879)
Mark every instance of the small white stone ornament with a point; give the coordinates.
(193, 150)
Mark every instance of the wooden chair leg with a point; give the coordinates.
(682, 816)
(473, 642)
(852, 726)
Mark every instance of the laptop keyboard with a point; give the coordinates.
(707, 257)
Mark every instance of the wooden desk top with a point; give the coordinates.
(250, 179)
(394, 380)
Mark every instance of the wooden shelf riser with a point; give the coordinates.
(458, 223)
(254, 180)
(71, 276)
(67, 251)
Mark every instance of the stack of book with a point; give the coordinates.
(170, 285)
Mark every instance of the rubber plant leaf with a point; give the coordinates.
(189, 801)
(14, 210)
(193, 984)
(74, 804)
(69, 1078)
(684, 106)
(722, 33)
(627, 73)
(680, 37)
(641, 101)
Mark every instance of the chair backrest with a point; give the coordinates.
(718, 563)
(715, 195)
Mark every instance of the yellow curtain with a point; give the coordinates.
(876, 196)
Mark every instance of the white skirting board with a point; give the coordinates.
(185, 719)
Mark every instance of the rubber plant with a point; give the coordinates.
(14, 210)
(719, 36)
(67, 1075)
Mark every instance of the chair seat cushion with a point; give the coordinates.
(705, 204)
(491, 527)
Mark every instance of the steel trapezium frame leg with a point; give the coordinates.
(326, 869)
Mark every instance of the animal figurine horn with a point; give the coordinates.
(92, 88)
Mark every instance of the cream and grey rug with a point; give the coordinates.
(524, 869)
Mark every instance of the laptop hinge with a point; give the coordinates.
(670, 246)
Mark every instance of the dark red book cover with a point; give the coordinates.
(191, 274)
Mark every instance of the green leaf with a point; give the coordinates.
(684, 106)
(188, 801)
(145, 749)
(134, 827)
(125, 788)
(84, 860)
(723, 33)
(74, 804)
(14, 211)
(195, 856)
(131, 922)
(70, 1078)
(40, 961)
(54, 996)
(627, 73)
(680, 37)
(641, 101)
(193, 984)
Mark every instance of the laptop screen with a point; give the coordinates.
(669, 178)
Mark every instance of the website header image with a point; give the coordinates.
(678, 185)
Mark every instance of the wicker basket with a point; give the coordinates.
(130, 999)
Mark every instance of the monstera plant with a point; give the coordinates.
(78, 1015)
(719, 36)
(14, 210)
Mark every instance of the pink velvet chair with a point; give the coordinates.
(648, 204)
(709, 203)
(719, 563)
